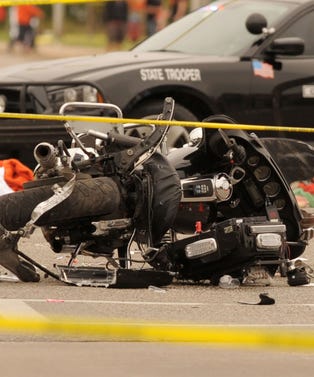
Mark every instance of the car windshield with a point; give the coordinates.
(217, 29)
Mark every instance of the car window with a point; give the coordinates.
(217, 29)
(303, 28)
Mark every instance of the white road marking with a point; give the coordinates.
(53, 300)
(18, 309)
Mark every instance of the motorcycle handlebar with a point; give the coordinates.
(126, 141)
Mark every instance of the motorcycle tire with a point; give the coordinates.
(96, 197)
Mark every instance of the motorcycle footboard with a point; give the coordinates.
(117, 278)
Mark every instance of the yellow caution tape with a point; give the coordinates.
(8, 3)
(67, 118)
(233, 336)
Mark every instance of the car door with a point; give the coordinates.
(283, 90)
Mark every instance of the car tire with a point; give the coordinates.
(177, 135)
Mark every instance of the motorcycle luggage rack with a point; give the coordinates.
(87, 276)
(116, 278)
(102, 277)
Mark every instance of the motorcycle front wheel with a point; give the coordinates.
(95, 197)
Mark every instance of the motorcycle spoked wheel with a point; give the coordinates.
(90, 198)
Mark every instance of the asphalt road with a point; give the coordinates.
(177, 304)
(44, 353)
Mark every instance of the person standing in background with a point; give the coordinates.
(115, 17)
(3, 14)
(13, 27)
(172, 11)
(28, 17)
(177, 9)
(153, 10)
(136, 13)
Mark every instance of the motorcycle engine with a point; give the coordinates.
(198, 202)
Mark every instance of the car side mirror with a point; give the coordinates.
(291, 46)
(256, 23)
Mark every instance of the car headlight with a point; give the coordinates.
(3, 103)
(70, 95)
(80, 93)
(90, 94)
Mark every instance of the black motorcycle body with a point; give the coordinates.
(218, 206)
(260, 198)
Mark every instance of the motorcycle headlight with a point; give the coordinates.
(201, 248)
(80, 93)
(3, 103)
(269, 241)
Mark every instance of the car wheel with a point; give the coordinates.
(177, 135)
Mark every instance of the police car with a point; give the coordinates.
(250, 59)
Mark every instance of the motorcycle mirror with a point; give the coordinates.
(196, 136)
(256, 23)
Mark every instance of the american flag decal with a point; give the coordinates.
(264, 70)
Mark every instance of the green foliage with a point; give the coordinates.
(76, 38)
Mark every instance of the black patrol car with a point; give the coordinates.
(250, 59)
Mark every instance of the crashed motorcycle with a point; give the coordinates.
(218, 205)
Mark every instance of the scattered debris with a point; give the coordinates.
(265, 300)
(228, 282)
(299, 273)
(55, 300)
(156, 289)
(257, 275)
(9, 277)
